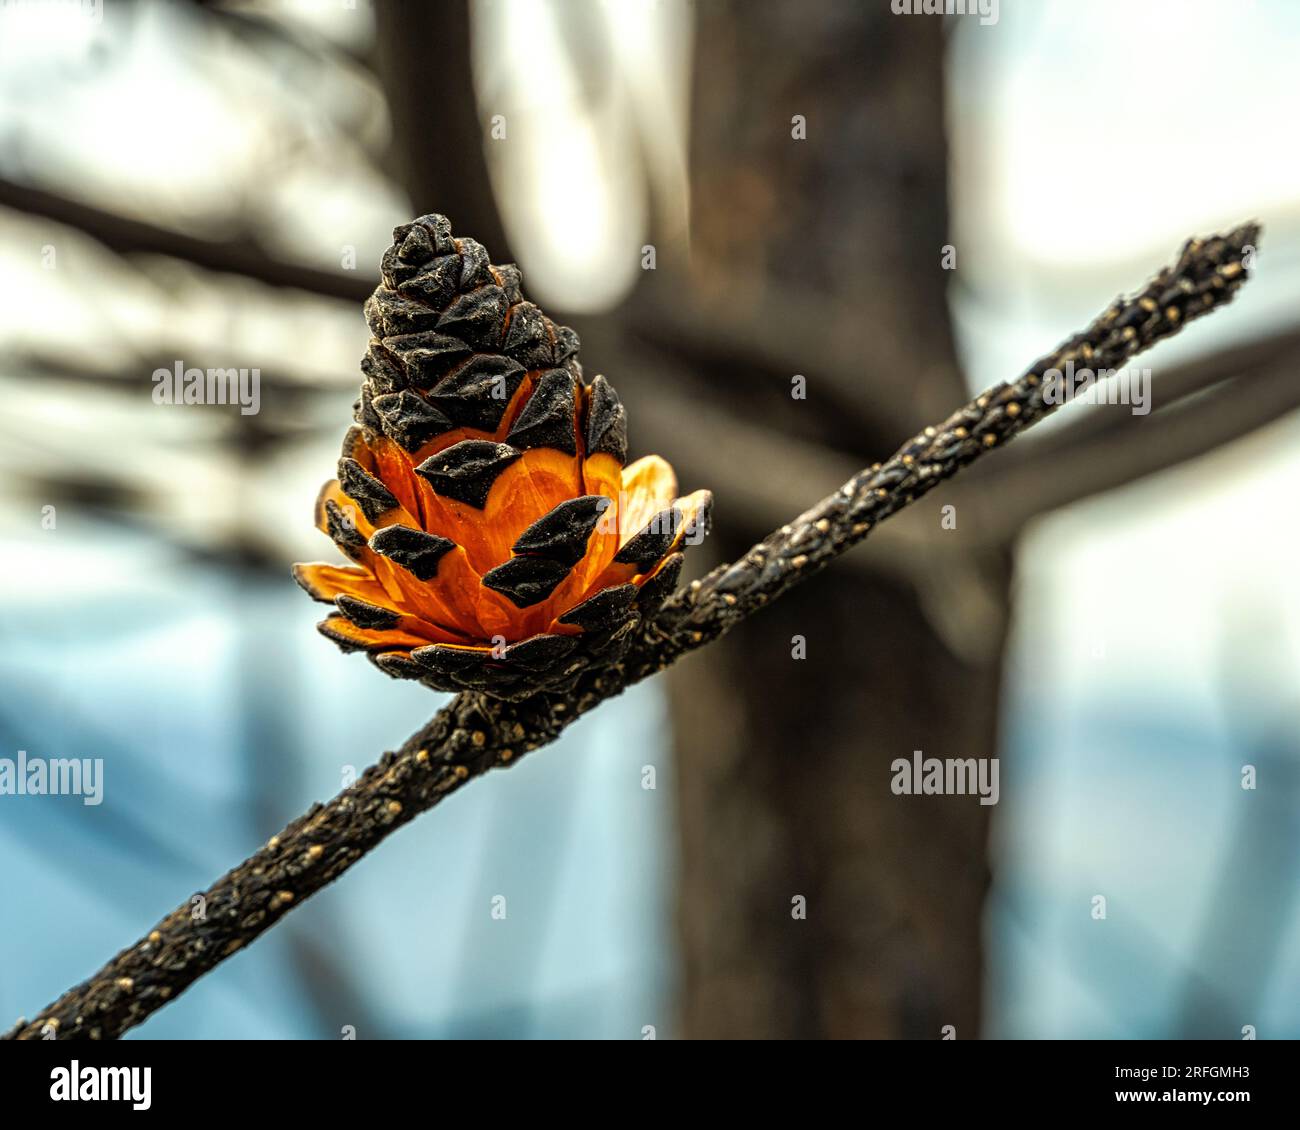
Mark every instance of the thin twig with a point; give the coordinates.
(473, 733)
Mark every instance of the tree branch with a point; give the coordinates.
(1252, 380)
(126, 236)
(474, 733)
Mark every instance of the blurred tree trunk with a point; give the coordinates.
(819, 257)
(814, 249)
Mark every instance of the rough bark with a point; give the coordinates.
(474, 733)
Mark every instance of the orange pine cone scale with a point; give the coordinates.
(499, 540)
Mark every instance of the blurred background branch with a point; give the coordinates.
(214, 183)
(476, 733)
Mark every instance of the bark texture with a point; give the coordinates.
(475, 733)
(833, 244)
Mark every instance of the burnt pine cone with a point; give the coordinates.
(500, 541)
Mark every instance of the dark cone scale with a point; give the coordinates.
(498, 539)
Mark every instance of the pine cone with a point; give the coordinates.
(499, 542)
